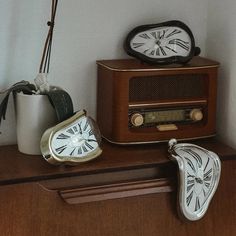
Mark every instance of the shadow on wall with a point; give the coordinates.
(221, 46)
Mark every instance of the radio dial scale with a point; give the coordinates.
(158, 117)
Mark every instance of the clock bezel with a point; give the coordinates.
(52, 157)
(162, 61)
(173, 146)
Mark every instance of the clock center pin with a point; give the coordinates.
(76, 140)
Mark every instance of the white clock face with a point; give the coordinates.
(199, 179)
(162, 42)
(199, 176)
(76, 140)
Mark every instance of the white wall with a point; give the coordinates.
(221, 45)
(85, 30)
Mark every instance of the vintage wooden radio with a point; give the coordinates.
(140, 103)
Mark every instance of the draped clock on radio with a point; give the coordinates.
(163, 43)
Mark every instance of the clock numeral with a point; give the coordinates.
(137, 45)
(63, 136)
(158, 52)
(84, 148)
(80, 129)
(59, 150)
(175, 31)
(195, 156)
(207, 176)
(163, 34)
(144, 36)
(162, 51)
(80, 151)
(191, 164)
(206, 163)
(75, 128)
(180, 43)
(189, 187)
(86, 126)
(70, 131)
(152, 52)
(189, 198)
(197, 204)
(72, 152)
(154, 34)
(88, 145)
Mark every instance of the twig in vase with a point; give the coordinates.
(45, 61)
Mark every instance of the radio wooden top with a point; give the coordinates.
(136, 65)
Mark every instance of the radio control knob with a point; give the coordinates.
(196, 115)
(136, 119)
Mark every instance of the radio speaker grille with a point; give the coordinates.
(155, 88)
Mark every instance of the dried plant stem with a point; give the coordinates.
(45, 61)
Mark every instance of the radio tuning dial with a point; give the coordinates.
(136, 119)
(196, 115)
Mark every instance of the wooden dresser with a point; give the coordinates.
(127, 191)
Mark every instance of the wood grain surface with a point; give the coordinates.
(128, 191)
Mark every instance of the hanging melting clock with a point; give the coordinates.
(163, 43)
(199, 174)
(72, 141)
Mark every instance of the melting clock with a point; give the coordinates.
(199, 174)
(163, 43)
(74, 140)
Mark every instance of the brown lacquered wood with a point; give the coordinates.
(115, 191)
(113, 100)
(28, 209)
(139, 181)
(136, 65)
(16, 167)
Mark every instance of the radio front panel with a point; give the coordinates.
(139, 103)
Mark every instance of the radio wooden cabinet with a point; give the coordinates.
(141, 103)
(127, 191)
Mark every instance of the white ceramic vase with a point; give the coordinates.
(34, 114)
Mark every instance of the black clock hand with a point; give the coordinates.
(170, 49)
(180, 43)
